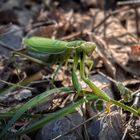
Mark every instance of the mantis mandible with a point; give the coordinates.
(53, 51)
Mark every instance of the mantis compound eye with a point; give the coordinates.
(88, 47)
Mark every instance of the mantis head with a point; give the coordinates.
(88, 48)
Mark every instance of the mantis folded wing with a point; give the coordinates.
(53, 51)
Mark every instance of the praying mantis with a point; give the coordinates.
(53, 51)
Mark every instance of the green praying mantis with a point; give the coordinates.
(53, 51)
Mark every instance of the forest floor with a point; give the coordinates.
(113, 27)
